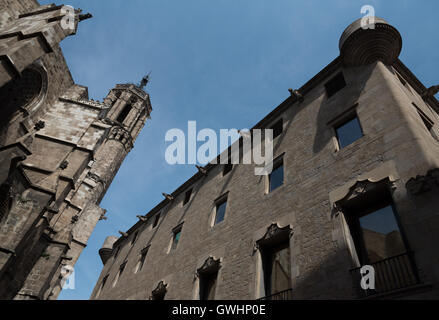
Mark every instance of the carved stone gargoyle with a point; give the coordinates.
(209, 266)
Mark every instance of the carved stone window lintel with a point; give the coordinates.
(209, 266)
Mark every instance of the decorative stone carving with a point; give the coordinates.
(209, 266)
(431, 92)
(273, 235)
(123, 234)
(168, 196)
(296, 94)
(160, 291)
(120, 134)
(422, 184)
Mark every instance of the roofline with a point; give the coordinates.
(306, 88)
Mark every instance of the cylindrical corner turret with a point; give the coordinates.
(107, 248)
(363, 44)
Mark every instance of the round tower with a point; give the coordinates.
(362, 44)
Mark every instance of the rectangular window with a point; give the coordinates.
(335, 84)
(277, 268)
(379, 242)
(227, 168)
(429, 124)
(143, 255)
(156, 220)
(208, 286)
(104, 281)
(133, 241)
(220, 210)
(187, 197)
(124, 113)
(176, 237)
(276, 178)
(277, 128)
(116, 252)
(120, 272)
(348, 132)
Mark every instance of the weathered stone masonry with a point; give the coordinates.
(397, 157)
(59, 151)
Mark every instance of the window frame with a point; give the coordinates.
(278, 162)
(330, 87)
(219, 202)
(348, 117)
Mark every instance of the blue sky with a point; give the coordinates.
(224, 64)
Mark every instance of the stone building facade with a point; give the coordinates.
(59, 150)
(355, 183)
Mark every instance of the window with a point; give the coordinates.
(104, 281)
(116, 252)
(335, 84)
(133, 241)
(124, 113)
(156, 220)
(277, 268)
(119, 274)
(227, 168)
(143, 254)
(187, 197)
(277, 128)
(220, 211)
(176, 237)
(375, 231)
(276, 177)
(427, 122)
(348, 132)
(378, 240)
(208, 286)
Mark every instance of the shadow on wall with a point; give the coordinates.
(334, 106)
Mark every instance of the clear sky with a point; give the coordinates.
(224, 64)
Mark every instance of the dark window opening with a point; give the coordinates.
(104, 281)
(277, 128)
(117, 252)
(379, 241)
(277, 268)
(134, 238)
(220, 210)
(124, 113)
(156, 220)
(176, 237)
(227, 168)
(119, 274)
(142, 258)
(349, 132)
(187, 197)
(276, 178)
(335, 84)
(208, 286)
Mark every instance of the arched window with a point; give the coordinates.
(124, 113)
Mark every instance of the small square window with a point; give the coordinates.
(335, 84)
(187, 197)
(156, 220)
(348, 132)
(220, 211)
(176, 237)
(277, 128)
(227, 169)
(276, 178)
